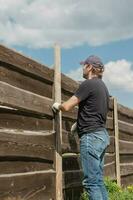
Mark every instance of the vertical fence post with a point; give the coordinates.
(58, 122)
(117, 155)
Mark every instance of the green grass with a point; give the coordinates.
(115, 192)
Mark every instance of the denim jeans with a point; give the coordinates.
(92, 151)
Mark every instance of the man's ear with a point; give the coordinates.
(89, 68)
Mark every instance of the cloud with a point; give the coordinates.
(41, 23)
(118, 75)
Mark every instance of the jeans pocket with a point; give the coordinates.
(99, 145)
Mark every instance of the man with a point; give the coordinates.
(93, 99)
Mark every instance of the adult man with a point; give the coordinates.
(93, 99)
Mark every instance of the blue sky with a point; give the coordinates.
(82, 28)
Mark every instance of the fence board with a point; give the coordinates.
(126, 127)
(13, 164)
(27, 144)
(126, 158)
(25, 82)
(27, 101)
(18, 120)
(126, 147)
(127, 180)
(126, 169)
(32, 185)
(32, 68)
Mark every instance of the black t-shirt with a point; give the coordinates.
(93, 106)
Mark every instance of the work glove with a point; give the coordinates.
(55, 107)
(74, 128)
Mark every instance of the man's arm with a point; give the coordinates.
(67, 105)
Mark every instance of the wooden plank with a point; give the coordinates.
(126, 158)
(14, 120)
(58, 123)
(127, 113)
(126, 147)
(19, 164)
(126, 136)
(126, 127)
(27, 144)
(72, 178)
(24, 64)
(127, 180)
(118, 176)
(109, 123)
(28, 101)
(73, 193)
(25, 82)
(126, 168)
(34, 69)
(110, 170)
(31, 185)
(24, 100)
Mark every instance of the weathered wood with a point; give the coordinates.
(125, 112)
(73, 193)
(14, 120)
(27, 144)
(23, 64)
(126, 168)
(110, 170)
(126, 147)
(31, 185)
(31, 68)
(126, 158)
(116, 128)
(127, 180)
(28, 102)
(14, 164)
(24, 100)
(58, 124)
(126, 127)
(25, 82)
(126, 136)
(109, 123)
(72, 178)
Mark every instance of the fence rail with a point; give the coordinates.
(27, 138)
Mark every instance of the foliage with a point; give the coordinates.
(115, 192)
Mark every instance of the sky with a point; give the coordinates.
(82, 28)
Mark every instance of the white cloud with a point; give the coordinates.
(117, 75)
(41, 23)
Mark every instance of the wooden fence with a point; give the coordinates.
(27, 138)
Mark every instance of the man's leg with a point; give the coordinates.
(91, 149)
(90, 164)
(102, 185)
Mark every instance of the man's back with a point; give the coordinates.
(93, 106)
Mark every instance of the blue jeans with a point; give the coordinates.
(92, 151)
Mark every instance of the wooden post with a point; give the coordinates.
(58, 123)
(117, 155)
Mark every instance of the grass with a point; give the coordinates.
(115, 192)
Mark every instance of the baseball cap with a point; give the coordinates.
(93, 60)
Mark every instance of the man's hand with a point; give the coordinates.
(55, 107)
(74, 128)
